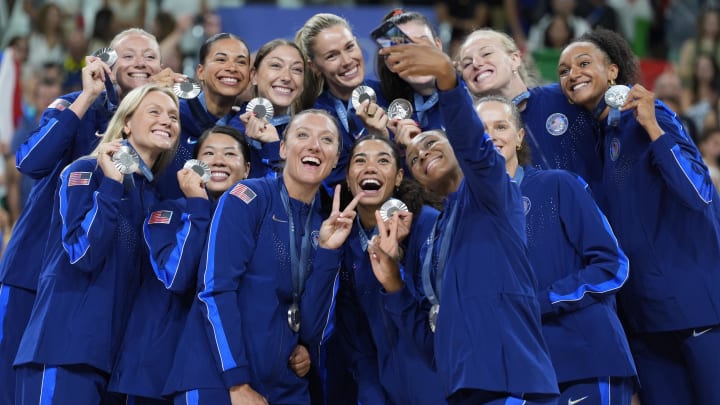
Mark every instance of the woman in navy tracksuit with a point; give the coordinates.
(261, 293)
(68, 130)
(95, 257)
(488, 345)
(175, 232)
(224, 73)
(385, 370)
(277, 75)
(338, 67)
(579, 267)
(663, 207)
(420, 91)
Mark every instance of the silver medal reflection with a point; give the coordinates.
(188, 89)
(390, 207)
(294, 317)
(615, 96)
(107, 55)
(432, 316)
(360, 94)
(199, 167)
(262, 108)
(126, 160)
(400, 109)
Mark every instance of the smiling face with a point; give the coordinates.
(338, 58)
(431, 159)
(486, 65)
(584, 73)
(500, 125)
(310, 150)
(226, 68)
(223, 154)
(373, 169)
(154, 126)
(279, 78)
(138, 59)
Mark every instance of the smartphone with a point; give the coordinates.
(388, 34)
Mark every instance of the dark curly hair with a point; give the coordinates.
(618, 52)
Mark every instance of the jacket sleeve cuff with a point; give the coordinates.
(236, 376)
(546, 307)
(330, 258)
(398, 302)
(198, 206)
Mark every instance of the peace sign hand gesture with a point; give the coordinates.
(335, 230)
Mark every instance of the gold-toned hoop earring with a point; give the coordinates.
(611, 82)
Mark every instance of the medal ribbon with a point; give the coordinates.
(298, 264)
(433, 295)
(364, 240)
(421, 106)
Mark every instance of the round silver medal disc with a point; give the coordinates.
(294, 317)
(188, 89)
(432, 316)
(126, 160)
(262, 108)
(390, 206)
(107, 55)
(360, 94)
(400, 109)
(615, 96)
(199, 167)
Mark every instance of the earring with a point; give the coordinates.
(570, 101)
(611, 82)
(518, 147)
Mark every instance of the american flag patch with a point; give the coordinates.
(160, 217)
(79, 179)
(59, 104)
(244, 193)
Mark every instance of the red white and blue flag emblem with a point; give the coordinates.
(243, 192)
(79, 179)
(160, 217)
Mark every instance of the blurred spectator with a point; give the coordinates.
(461, 17)
(709, 145)
(47, 39)
(127, 13)
(102, 32)
(701, 97)
(634, 18)
(668, 89)
(707, 40)
(598, 13)
(44, 91)
(559, 8)
(681, 24)
(169, 32)
(77, 49)
(12, 60)
(557, 35)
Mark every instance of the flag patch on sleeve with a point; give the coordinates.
(160, 217)
(59, 104)
(244, 193)
(79, 179)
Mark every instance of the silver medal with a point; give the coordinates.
(107, 55)
(188, 89)
(126, 160)
(360, 94)
(262, 108)
(390, 207)
(432, 316)
(615, 96)
(400, 109)
(199, 167)
(294, 317)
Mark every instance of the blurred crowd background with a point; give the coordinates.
(44, 44)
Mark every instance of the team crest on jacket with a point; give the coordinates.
(315, 237)
(526, 204)
(556, 124)
(614, 149)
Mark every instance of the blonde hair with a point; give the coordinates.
(126, 109)
(305, 39)
(506, 42)
(139, 32)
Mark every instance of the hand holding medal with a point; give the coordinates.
(384, 249)
(258, 113)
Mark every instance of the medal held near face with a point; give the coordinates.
(109, 56)
(360, 94)
(615, 97)
(199, 167)
(188, 89)
(390, 207)
(262, 108)
(400, 109)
